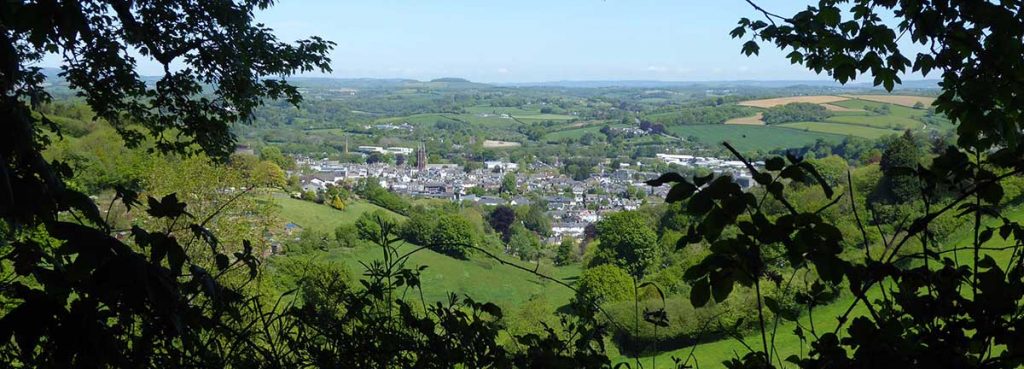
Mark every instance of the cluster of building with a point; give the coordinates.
(736, 168)
(571, 204)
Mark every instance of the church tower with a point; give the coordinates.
(421, 157)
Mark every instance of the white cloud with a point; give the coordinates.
(657, 69)
(502, 71)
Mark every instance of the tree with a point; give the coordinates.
(501, 219)
(451, 236)
(346, 235)
(965, 41)
(419, 228)
(273, 154)
(832, 168)
(901, 156)
(606, 283)
(268, 174)
(567, 252)
(337, 202)
(536, 220)
(524, 243)
(628, 236)
(795, 112)
(121, 294)
(508, 184)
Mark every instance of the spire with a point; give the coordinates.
(421, 157)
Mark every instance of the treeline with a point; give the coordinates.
(698, 115)
(796, 112)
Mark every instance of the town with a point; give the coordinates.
(571, 204)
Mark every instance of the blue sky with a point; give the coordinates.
(534, 40)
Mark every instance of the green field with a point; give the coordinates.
(751, 138)
(501, 110)
(489, 121)
(481, 278)
(894, 110)
(576, 133)
(321, 217)
(541, 117)
(841, 129)
(878, 121)
(417, 120)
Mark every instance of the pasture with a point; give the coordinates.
(576, 133)
(492, 144)
(319, 217)
(479, 277)
(768, 103)
(841, 129)
(903, 100)
(756, 119)
(878, 121)
(751, 137)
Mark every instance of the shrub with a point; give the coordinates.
(686, 324)
(567, 252)
(451, 235)
(346, 235)
(606, 283)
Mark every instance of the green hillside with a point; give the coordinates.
(321, 217)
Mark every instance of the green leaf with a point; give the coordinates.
(774, 163)
(222, 262)
(700, 293)
(721, 286)
(666, 178)
(751, 48)
(680, 191)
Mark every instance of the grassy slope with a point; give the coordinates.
(480, 278)
(322, 217)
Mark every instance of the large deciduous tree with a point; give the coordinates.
(899, 161)
(81, 297)
(631, 241)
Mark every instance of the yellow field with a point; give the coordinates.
(768, 103)
(831, 107)
(491, 144)
(904, 100)
(756, 119)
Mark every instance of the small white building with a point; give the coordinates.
(371, 149)
(499, 164)
(399, 150)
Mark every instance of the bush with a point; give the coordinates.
(567, 252)
(316, 281)
(629, 238)
(606, 283)
(346, 235)
(686, 324)
(524, 243)
(309, 241)
(419, 228)
(451, 235)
